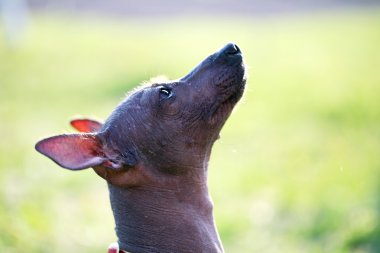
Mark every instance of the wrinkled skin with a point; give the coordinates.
(153, 151)
(175, 133)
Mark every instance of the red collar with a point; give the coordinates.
(114, 248)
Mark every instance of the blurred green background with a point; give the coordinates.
(296, 168)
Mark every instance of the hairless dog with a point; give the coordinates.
(153, 151)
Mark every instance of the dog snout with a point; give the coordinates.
(229, 54)
(231, 49)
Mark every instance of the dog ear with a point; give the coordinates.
(85, 150)
(86, 125)
(78, 151)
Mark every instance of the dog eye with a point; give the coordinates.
(165, 93)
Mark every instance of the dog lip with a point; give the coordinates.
(226, 103)
(232, 59)
(238, 92)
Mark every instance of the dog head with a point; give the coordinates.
(163, 128)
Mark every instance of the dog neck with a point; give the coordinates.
(174, 217)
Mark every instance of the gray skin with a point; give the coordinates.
(154, 150)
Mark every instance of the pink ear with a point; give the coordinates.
(73, 151)
(86, 125)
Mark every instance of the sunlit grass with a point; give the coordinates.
(297, 167)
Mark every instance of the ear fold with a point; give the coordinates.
(76, 151)
(86, 125)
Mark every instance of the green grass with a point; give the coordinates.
(297, 166)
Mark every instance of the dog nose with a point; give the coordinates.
(231, 49)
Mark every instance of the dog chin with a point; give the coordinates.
(223, 109)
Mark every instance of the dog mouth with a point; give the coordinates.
(233, 91)
(229, 94)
